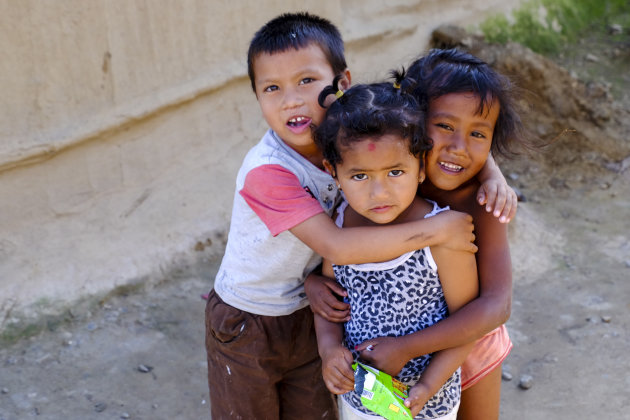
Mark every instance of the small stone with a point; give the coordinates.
(606, 318)
(615, 29)
(144, 368)
(124, 416)
(591, 320)
(506, 376)
(5, 390)
(627, 263)
(100, 407)
(526, 382)
(92, 326)
(592, 58)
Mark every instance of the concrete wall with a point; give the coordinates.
(123, 124)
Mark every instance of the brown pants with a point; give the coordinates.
(264, 367)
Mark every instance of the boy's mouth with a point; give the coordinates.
(299, 124)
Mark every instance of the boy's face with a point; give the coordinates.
(288, 84)
(461, 138)
(379, 177)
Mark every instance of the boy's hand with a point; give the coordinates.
(418, 397)
(455, 230)
(321, 293)
(337, 370)
(384, 353)
(499, 198)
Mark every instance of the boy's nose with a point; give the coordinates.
(292, 99)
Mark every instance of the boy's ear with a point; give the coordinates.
(345, 81)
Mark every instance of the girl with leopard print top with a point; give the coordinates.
(373, 142)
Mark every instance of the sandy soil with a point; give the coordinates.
(140, 355)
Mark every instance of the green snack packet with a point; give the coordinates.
(381, 393)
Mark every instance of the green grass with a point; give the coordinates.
(546, 25)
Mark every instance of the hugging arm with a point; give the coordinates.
(356, 245)
(495, 193)
(458, 275)
(490, 309)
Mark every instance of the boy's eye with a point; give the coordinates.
(270, 88)
(395, 172)
(306, 80)
(444, 126)
(478, 135)
(359, 177)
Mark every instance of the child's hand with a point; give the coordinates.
(384, 353)
(418, 397)
(337, 370)
(321, 295)
(455, 230)
(499, 198)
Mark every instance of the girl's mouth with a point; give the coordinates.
(450, 167)
(381, 209)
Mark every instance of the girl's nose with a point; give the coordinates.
(378, 190)
(457, 142)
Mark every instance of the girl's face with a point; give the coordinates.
(379, 177)
(461, 138)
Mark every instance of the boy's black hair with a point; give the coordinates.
(370, 111)
(452, 71)
(297, 30)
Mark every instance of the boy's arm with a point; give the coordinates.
(498, 197)
(358, 245)
(277, 197)
(322, 293)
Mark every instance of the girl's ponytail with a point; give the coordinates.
(330, 90)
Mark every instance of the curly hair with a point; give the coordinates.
(371, 111)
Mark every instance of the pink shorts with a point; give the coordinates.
(488, 354)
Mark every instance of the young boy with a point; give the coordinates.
(260, 340)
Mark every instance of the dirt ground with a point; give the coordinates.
(140, 354)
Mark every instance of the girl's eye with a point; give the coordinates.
(444, 126)
(270, 88)
(395, 172)
(478, 135)
(359, 177)
(306, 80)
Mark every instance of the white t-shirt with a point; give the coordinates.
(264, 265)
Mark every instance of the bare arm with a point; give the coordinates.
(336, 358)
(358, 245)
(480, 316)
(495, 193)
(458, 276)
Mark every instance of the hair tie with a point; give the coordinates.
(396, 85)
(339, 93)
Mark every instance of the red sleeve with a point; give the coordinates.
(274, 193)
